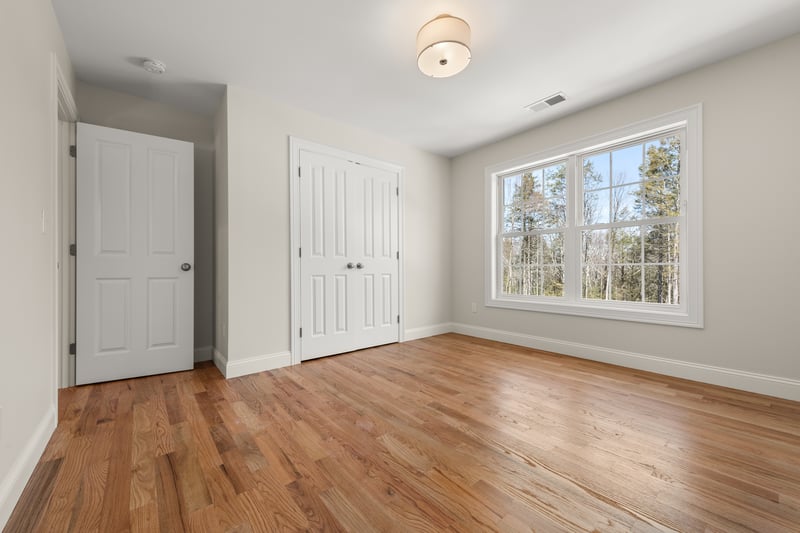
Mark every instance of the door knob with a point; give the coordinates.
(359, 266)
(186, 267)
(350, 265)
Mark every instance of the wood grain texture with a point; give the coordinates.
(448, 433)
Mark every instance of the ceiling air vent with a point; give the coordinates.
(544, 103)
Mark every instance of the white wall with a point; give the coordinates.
(752, 243)
(258, 131)
(29, 34)
(113, 109)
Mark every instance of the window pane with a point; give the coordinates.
(596, 171)
(510, 252)
(594, 246)
(510, 187)
(662, 284)
(512, 219)
(532, 184)
(595, 207)
(532, 217)
(625, 204)
(555, 213)
(555, 189)
(555, 181)
(625, 164)
(662, 243)
(594, 250)
(594, 282)
(527, 207)
(521, 259)
(626, 245)
(626, 283)
(552, 248)
(552, 281)
(662, 197)
(532, 199)
(662, 157)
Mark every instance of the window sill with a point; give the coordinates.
(646, 313)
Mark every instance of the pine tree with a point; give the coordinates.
(660, 197)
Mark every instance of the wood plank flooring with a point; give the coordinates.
(448, 433)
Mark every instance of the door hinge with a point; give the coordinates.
(398, 319)
(299, 172)
(398, 255)
(299, 252)
(73, 150)
(397, 191)
(72, 349)
(301, 333)
(73, 250)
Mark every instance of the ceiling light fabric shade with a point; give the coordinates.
(443, 47)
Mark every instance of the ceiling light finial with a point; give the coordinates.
(154, 66)
(443, 46)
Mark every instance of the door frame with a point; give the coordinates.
(297, 144)
(63, 109)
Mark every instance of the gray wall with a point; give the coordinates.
(257, 187)
(113, 109)
(751, 245)
(30, 39)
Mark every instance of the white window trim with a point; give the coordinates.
(690, 312)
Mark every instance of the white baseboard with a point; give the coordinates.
(726, 377)
(250, 365)
(427, 331)
(220, 361)
(203, 353)
(21, 469)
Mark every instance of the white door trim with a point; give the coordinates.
(66, 192)
(295, 146)
(63, 110)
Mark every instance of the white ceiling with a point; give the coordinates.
(354, 60)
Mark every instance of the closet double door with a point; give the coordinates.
(349, 255)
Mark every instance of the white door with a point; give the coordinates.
(349, 259)
(135, 247)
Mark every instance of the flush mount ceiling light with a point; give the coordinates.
(443, 47)
(154, 66)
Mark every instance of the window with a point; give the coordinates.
(609, 227)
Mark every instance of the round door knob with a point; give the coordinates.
(350, 265)
(359, 266)
(186, 267)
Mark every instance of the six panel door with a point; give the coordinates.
(349, 264)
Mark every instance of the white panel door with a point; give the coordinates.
(349, 255)
(135, 248)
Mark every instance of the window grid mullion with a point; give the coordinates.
(641, 261)
(572, 247)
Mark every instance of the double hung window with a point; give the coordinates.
(610, 227)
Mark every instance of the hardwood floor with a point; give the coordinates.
(448, 433)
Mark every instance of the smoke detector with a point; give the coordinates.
(544, 103)
(154, 66)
